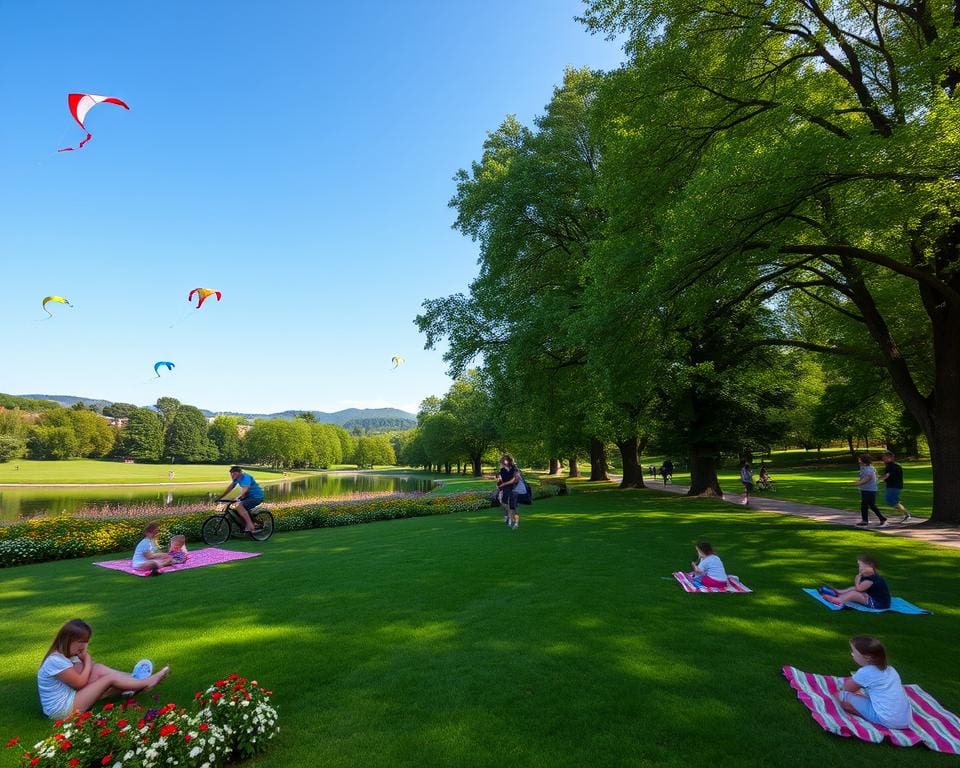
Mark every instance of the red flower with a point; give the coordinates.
(58, 723)
(101, 721)
(217, 696)
(168, 729)
(204, 727)
(58, 736)
(108, 706)
(35, 761)
(121, 723)
(105, 731)
(65, 745)
(73, 762)
(220, 683)
(187, 737)
(234, 676)
(197, 695)
(140, 723)
(107, 759)
(13, 741)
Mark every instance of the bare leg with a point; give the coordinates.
(245, 516)
(109, 682)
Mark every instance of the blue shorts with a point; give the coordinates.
(863, 705)
(893, 496)
(250, 504)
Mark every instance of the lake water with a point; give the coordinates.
(19, 503)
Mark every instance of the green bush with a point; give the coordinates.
(63, 537)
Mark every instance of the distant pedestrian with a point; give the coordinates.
(893, 478)
(867, 484)
(746, 478)
(507, 481)
(667, 471)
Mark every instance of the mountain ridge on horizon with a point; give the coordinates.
(324, 417)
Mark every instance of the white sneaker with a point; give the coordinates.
(884, 524)
(906, 518)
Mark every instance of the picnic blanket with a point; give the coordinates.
(897, 605)
(933, 725)
(686, 581)
(197, 559)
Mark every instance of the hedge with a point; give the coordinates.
(64, 536)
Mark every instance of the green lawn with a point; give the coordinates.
(455, 641)
(93, 471)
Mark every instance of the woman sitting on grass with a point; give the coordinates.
(68, 681)
(869, 587)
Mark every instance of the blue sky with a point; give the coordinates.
(297, 156)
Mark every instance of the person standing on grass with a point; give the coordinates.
(746, 477)
(868, 492)
(507, 485)
(893, 479)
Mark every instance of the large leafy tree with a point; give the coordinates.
(808, 147)
(142, 437)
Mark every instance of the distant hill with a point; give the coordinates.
(364, 417)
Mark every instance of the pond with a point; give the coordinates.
(19, 503)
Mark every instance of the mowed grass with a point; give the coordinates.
(107, 471)
(455, 641)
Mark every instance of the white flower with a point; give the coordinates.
(195, 751)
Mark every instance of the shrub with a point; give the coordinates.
(117, 529)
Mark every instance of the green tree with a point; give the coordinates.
(119, 410)
(95, 437)
(186, 439)
(225, 436)
(804, 148)
(52, 442)
(142, 437)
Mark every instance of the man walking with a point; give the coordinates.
(893, 478)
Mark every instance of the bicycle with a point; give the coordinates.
(767, 485)
(216, 529)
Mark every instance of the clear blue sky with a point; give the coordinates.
(297, 156)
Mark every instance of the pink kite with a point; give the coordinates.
(80, 104)
(203, 294)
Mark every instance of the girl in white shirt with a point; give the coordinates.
(69, 681)
(874, 691)
(709, 571)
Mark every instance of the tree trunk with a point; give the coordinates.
(703, 475)
(574, 467)
(598, 461)
(477, 467)
(632, 471)
(853, 451)
(554, 466)
(446, 469)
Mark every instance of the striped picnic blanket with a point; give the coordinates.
(933, 725)
(686, 581)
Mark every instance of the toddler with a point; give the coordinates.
(178, 549)
(709, 572)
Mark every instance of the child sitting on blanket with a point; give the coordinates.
(709, 572)
(869, 587)
(147, 557)
(874, 691)
(178, 549)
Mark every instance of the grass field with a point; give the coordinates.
(455, 641)
(93, 471)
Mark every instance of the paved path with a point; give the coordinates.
(945, 537)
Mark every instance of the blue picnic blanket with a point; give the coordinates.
(897, 605)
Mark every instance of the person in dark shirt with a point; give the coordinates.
(893, 478)
(869, 587)
(667, 471)
(506, 485)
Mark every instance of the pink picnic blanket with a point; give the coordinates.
(935, 726)
(197, 559)
(686, 581)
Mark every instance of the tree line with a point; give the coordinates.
(751, 227)
(177, 432)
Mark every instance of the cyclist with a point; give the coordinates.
(251, 496)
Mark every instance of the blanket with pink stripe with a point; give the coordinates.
(197, 559)
(933, 725)
(686, 581)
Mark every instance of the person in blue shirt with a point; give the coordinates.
(251, 495)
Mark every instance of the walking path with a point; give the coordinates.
(945, 537)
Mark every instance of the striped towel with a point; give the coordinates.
(686, 581)
(897, 605)
(933, 725)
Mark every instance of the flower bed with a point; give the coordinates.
(67, 536)
(229, 721)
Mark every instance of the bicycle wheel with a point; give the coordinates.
(263, 522)
(215, 530)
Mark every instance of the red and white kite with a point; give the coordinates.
(80, 104)
(203, 294)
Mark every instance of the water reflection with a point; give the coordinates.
(30, 502)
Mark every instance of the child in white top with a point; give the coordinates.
(68, 681)
(178, 549)
(874, 691)
(709, 572)
(746, 479)
(147, 556)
